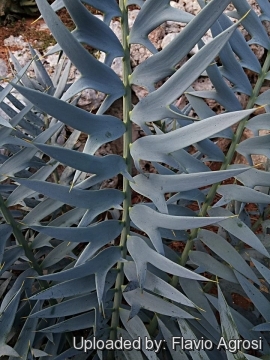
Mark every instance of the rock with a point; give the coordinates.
(190, 6)
(255, 6)
(139, 91)
(203, 83)
(110, 183)
(132, 17)
(90, 99)
(157, 35)
(43, 26)
(258, 51)
(15, 41)
(22, 53)
(117, 66)
(23, 56)
(167, 39)
(52, 60)
(206, 39)
(3, 69)
(138, 54)
(116, 28)
(61, 139)
(259, 161)
(178, 5)
(173, 27)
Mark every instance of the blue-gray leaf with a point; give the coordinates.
(143, 254)
(159, 148)
(102, 128)
(140, 215)
(227, 252)
(154, 186)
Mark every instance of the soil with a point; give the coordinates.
(34, 32)
(18, 28)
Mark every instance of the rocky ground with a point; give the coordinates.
(14, 37)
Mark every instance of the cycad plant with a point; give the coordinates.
(85, 273)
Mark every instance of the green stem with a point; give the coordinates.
(127, 107)
(228, 159)
(152, 327)
(22, 242)
(19, 236)
(27, 251)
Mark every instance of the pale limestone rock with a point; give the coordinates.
(16, 41)
(132, 17)
(138, 54)
(167, 39)
(157, 35)
(90, 99)
(3, 68)
(258, 50)
(190, 6)
(116, 28)
(117, 66)
(174, 27)
(139, 91)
